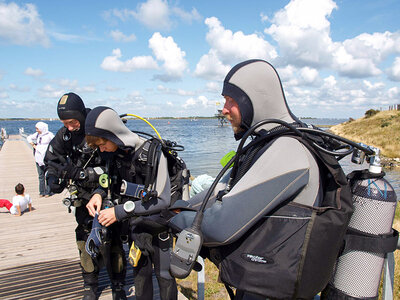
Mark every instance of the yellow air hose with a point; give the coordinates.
(143, 119)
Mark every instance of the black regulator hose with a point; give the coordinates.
(298, 131)
(199, 215)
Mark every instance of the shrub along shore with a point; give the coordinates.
(380, 129)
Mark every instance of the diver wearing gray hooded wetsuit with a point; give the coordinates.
(106, 131)
(66, 158)
(267, 176)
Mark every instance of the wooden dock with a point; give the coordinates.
(39, 257)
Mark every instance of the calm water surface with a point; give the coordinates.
(204, 140)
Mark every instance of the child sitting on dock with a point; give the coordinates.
(20, 202)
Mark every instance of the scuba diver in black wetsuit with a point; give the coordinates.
(130, 166)
(72, 164)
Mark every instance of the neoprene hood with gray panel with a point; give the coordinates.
(104, 122)
(257, 89)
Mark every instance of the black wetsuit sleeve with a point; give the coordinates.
(57, 148)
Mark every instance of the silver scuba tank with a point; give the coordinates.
(358, 271)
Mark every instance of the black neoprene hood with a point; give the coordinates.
(240, 97)
(71, 106)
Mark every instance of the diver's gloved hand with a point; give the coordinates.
(66, 170)
(95, 239)
(54, 185)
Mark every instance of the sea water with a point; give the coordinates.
(205, 141)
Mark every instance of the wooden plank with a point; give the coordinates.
(38, 239)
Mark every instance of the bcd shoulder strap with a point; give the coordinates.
(149, 155)
(335, 178)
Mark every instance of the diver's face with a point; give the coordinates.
(232, 113)
(71, 124)
(106, 146)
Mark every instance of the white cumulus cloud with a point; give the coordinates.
(394, 71)
(211, 67)
(22, 25)
(49, 91)
(346, 64)
(229, 47)
(179, 92)
(302, 31)
(233, 46)
(118, 36)
(4, 95)
(373, 86)
(167, 51)
(115, 64)
(198, 103)
(33, 72)
(188, 17)
(22, 89)
(309, 75)
(154, 14)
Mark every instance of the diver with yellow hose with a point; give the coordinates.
(135, 197)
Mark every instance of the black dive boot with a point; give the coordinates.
(168, 288)
(89, 293)
(118, 292)
(90, 285)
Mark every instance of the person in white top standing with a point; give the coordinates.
(40, 141)
(20, 202)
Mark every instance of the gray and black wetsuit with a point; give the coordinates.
(279, 172)
(144, 229)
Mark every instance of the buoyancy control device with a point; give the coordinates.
(148, 155)
(291, 252)
(313, 275)
(369, 236)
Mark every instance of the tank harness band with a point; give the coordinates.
(362, 241)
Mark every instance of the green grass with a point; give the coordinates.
(213, 289)
(381, 130)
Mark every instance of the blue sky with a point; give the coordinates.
(168, 58)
